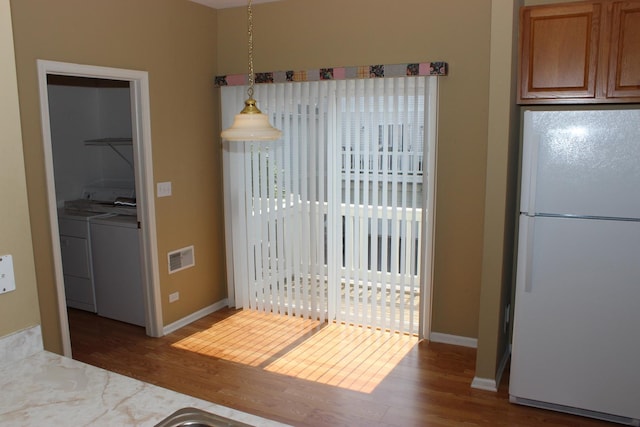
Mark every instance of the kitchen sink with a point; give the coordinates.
(193, 417)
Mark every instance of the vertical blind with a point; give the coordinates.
(328, 222)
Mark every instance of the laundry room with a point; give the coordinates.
(94, 172)
(83, 112)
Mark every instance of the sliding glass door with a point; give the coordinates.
(330, 221)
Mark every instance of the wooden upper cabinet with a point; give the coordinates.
(582, 52)
(624, 57)
(559, 51)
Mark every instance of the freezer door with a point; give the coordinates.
(576, 338)
(582, 163)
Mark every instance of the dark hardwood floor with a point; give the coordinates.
(305, 374)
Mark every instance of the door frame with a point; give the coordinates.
(429, 185)
(142, 157)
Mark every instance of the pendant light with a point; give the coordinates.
(251, 124)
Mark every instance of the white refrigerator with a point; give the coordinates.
(576, 336)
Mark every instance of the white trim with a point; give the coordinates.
(492, 384)
(228, 223)
(141, 128)
(195, 316)
(453, 339)
(503, 364)
(53, 214)
(429, 212)
(484, 384)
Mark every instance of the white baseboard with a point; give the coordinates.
(484, 384)
(194, 316)
(453, 339)
(492, 384)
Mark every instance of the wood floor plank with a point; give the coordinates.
(308, 374)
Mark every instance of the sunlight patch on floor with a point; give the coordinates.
(249, 337)
(340, 355)
(346, 356)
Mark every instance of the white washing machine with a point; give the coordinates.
(115, 249)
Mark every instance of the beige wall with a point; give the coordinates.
(501, 190)
(18, 309)
(304, 34)
(175, 41)
(497, 281)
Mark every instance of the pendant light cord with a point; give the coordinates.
(251, 124)
(251, 74)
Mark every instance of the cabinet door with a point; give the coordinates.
(559, 51)
(79, 293)
(624, 58)
(75, 256)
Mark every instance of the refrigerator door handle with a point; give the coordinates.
(525, 253)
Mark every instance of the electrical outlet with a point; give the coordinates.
(174, 297)
(7, 279)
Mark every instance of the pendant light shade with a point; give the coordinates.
(251, 124)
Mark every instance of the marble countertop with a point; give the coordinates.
(41, 388)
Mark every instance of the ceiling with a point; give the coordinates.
(223, 4)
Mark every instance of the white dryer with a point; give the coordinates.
(115, 248)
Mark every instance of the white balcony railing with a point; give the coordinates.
(363, 252)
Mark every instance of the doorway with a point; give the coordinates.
(136, 164)
(335, 219)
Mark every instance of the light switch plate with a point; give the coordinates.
(7, 279)
(164, 189)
